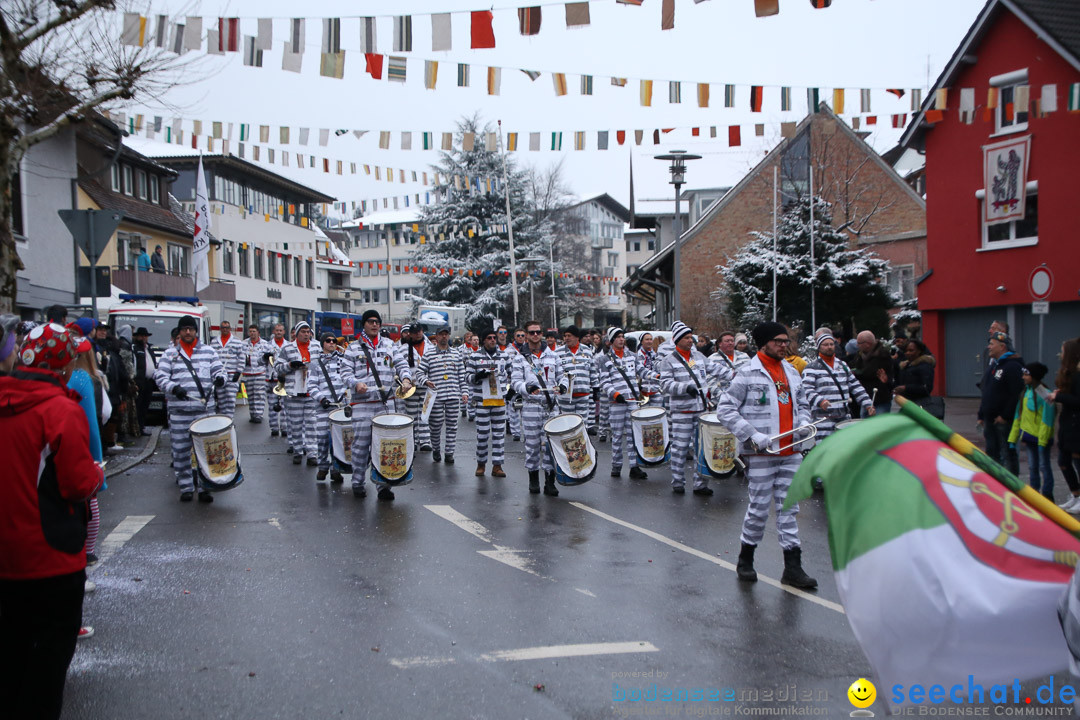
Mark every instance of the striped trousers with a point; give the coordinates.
(300, 412)
(582, 406)
(622, 435)
(490, 423)
(448, 412)
(226, 398)
(361, 444)
(470, 409)
(322, 436)
(515, 419)
(684, 444)
(256, 390)
(277, 419)
(603, 422)
(421, 432)
(180, 420)
(533, 417)
(770, 478)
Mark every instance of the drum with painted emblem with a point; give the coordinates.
(215, 453)
(574, 455)
(341, 438)
(652, 436)
(718, 449)
(391, 449)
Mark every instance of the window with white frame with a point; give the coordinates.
(258, 264)
(179, 259)
(1011, 116)
(271, 266)
(140, 177)
(129, 185)
(900, 279)
(155, 190)
(227, 264)
(116, 186)
(399, 295)
(298, 279)
(1018, 233)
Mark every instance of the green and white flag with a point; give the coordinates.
(943, 571)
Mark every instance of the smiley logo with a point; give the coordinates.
(862, 693)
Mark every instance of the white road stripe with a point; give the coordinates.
(511, 557)
(715, 560)
(585, 592)
(121, 534)
(274, 522)
(470, 526)
(546, 652)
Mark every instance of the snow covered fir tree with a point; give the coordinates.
(847, 282)
(468, 234)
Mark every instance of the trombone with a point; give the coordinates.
(812, 426)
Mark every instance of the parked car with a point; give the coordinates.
(392, 331)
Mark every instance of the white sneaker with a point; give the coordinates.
(1070, 503)
(90, 586)
(116, 448)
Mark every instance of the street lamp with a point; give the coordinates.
(532, 260)
(678, 160)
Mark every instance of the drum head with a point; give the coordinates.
(845, 424)
(648, 413)
(563, 423)
(210, 425)
(339, 416)
(392, 421)
(710, 418)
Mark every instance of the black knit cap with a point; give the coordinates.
(187, 322)
(369, 314)
(573, 330)
(766, 331)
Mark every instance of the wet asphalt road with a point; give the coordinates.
(288, 598)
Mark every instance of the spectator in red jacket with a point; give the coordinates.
(47, 478)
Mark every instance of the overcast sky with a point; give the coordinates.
(855, 44)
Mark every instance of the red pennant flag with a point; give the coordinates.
(482, 34)
(695, 131)
(988, 114)
(898, 92)
(655, 137)
(1010, 109)
(899, 120)
(934, 116)
(755, 98)
(374, 65)
(620, 135)
(734, 136)
(228, 34)
(821, 4)
(871, 119)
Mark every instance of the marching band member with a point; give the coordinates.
(683, 379)
(294, 369)
(256, 358)
(327, 392)
(620, 373)
(442, 372)
(277, 343)
(726, 361)
(230, 349)
(765, 400)
(368, 370)
(536, 375)
(650, 377)
(830, 385)
(188, 373)
(488, 371)
(470, 345)
(577, 360)
(413, 348)
(513, 414)
(603, 419)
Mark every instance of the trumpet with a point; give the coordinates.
(812, 426)
(400, 392)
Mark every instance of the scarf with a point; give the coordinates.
(775, 368)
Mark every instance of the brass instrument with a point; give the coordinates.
(400, 392)
(809, 426)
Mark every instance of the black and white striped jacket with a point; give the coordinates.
(445, 369)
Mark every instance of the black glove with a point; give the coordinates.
(562, 389)
(531, 388)
(180, 392)
(266, 357)
(692, 391)
(235, 377)
(219, 381)
(348, 411)
(325, 403)
(295, 364)
(595, 394)
(620, 399)
(480, 375)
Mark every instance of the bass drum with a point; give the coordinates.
(652, 436)
(391, 449)
(215, 454)
(574, 455)
(718, 449)
(341, 438)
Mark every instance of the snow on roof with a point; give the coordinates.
(155, 149)
(385, 217)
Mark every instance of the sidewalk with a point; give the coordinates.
(134, 452)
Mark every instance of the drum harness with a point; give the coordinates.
(701, 393)
(329, 382)
(194, 375)
(543, 385)
(374, 371)
(618, 366)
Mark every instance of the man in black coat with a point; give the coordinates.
(145, 365)
(1001, 386)
(873, 367)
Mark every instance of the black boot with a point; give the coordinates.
(549, 484)
(793, 572)
(534, 482)
(637, 473)
(745, 568)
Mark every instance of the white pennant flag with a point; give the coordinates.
(201, 241)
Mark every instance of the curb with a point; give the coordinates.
(147, 451)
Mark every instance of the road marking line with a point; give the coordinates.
(470, 526)
(585, 592)
(274, 522)
(546, 652)
(121, 534)
(511, 557)
(706, 556)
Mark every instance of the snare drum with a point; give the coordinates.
(391, 449)
(718, 448)
(652, 437)
(216, 454)
(341, 438)
(574, 455)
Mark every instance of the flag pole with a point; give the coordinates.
(988, 465)
(509, 229)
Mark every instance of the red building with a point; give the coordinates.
(1014, 80)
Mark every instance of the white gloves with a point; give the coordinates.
(760, 440)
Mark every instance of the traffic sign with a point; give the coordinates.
(91, 229)
(1041, 282)
(1040, 307)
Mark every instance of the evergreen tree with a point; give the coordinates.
(847, 283)
(481, 261)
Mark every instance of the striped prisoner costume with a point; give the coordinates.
(513, 414)
(324, 382)
(613, 386)
(253, 371)
(528, 370)
(277, 418)
(675, 383)
(586, 377)
(231, 355)
(172, 372)
(413, 354)
(445, 370)
(818, 381)
(490, 414)
(299, 406)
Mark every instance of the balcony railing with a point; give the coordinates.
(151, 283)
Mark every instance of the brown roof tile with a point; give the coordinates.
(135, 211)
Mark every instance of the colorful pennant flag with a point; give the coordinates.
(494, 80)
(646, 93)
(462, 75)
(674, 92)
(403, 33)
(368, 35)
(529, 20)
(559, 81)
(577, 14)
(586, 85)
(864, 101)
(785, 99)
(482, 34)
(765, 8)
(838, 101)
(431, 73)
(729, 96)
(734, 136)
(756, 92)
(703, 95)
(373, 64)
(395, 69)
(229, 34)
